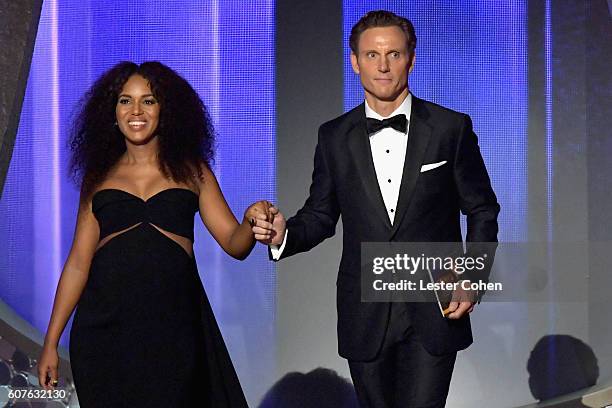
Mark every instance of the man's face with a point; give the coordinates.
(383, 62)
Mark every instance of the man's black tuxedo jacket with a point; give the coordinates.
(344, 183)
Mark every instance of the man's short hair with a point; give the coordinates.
(382, 18)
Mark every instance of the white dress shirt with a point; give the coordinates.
(388, 147)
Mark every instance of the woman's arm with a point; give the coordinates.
(236, 239)
(71, 284)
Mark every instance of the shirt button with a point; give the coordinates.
(391, 210)
(388, 150)
(389, 180)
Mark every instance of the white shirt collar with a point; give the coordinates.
(405, 108)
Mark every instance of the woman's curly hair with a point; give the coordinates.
(185, 132)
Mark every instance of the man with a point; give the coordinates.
(398, 169)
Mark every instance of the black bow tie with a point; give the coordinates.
(397, 122)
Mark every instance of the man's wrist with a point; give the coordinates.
(472, 293)
(282, 240)
(277, 250)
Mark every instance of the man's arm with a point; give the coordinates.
(479, 203)
(277, 250)
(317, 219)
(476, 199)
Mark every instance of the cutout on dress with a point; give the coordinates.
(107, 238)
(185, 243)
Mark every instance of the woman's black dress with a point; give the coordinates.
(144, 334)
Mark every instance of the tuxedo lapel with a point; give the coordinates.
(418, 137)
(359, 145)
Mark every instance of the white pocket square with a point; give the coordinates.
(431, 166)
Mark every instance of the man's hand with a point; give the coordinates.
(270, 233)
(463, 302)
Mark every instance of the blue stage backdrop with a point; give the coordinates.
(471, 56)
(226, 50)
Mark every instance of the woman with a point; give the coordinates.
(144, 334)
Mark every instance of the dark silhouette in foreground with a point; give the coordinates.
(559, 365)
(320, 388)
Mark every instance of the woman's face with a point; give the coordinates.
(137, 110)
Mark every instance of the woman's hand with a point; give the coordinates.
(267, 223)
(47, 366)
(258, 211)
(235, 237)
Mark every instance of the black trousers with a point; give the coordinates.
(404, 374)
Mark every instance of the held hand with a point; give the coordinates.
(279, 226)
(47, 368)
(258, 210)
(463, 302)
(259, 217)
(270, 233)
